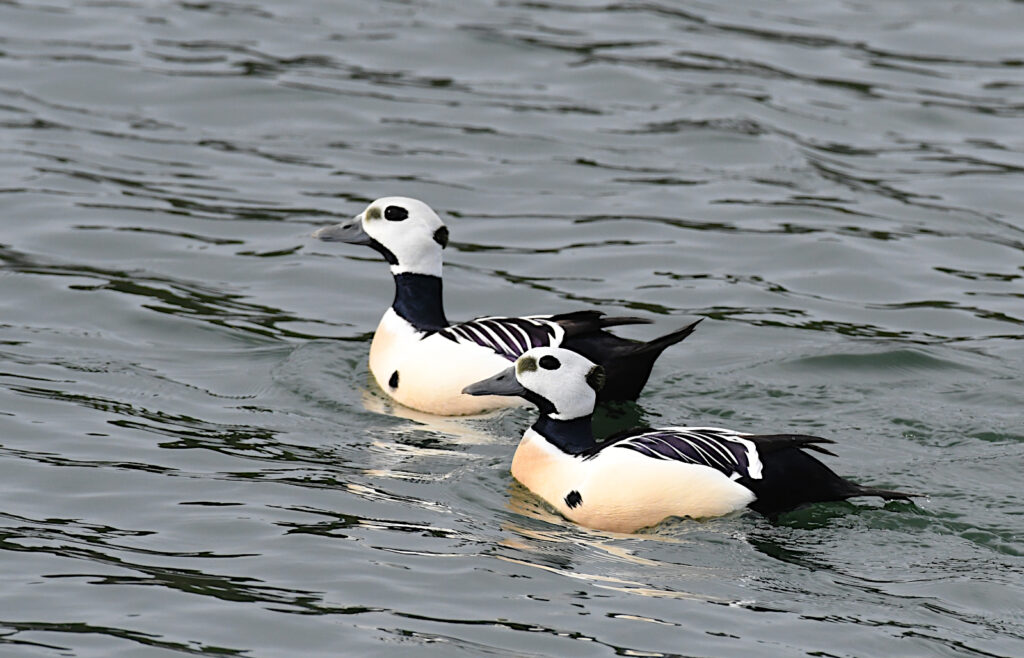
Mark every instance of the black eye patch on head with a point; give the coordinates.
(395, 213)
(549, 362)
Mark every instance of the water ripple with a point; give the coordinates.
(188, 424)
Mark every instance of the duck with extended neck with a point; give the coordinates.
(424, 362)
(640, 477)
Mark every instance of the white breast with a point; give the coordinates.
(545, 470)
(432, 370)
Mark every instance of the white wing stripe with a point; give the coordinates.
(682, 455)
(725, 455)
(473, 333)
(704, 456)
(505, 337)
(491, 335)
(722, 450)
(521, 337)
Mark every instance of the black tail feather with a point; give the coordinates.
(658, 345)
(792, 478)
(628, 363)
(887, 494)
(621, 320)
(578, 323)
(769, 443)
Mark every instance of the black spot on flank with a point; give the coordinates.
(549, 362)
(441, 236)
(393, 382)
(574, 499)
(395, 213)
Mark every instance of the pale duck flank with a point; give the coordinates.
(432, 370)
(623, 491)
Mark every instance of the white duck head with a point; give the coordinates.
(407, 232)
(562, 383)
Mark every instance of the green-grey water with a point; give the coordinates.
(194, 460)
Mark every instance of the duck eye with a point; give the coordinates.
(549, 362)
(395, 213)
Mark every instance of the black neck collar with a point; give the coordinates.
(570, 436)
(419, 301)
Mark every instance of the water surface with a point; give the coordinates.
(194, 460)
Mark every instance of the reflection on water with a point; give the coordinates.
(195, 461)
